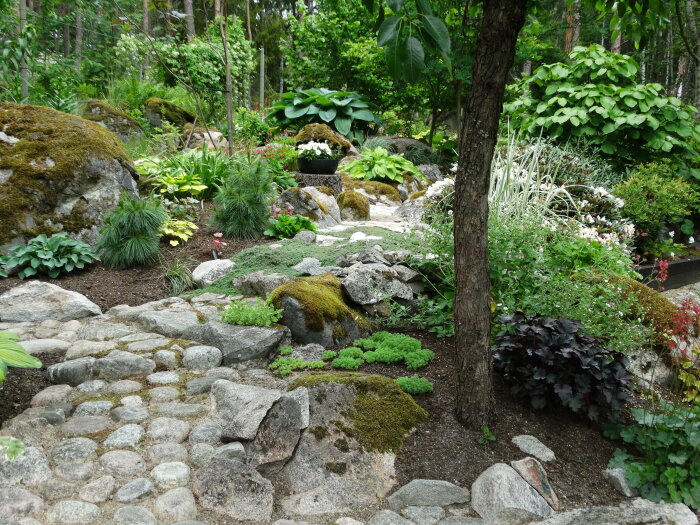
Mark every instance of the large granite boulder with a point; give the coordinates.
(58, 172)
(196, 136)
(239, 343)
(157, 110)
(122, 125)
(38, 301)
(633, 513)
(312, 203)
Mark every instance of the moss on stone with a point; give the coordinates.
(342, 445)
(339, 332)
(169, 111)
(382, 414)
(322, 132)
(356, 202)
(100, 111)
(371, 187)
(336, 467)
(326, 190)
(416, 195)
(319, 432)
(52, 147)
(296, 197)
(320, 297)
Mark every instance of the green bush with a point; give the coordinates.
(329, 354)
(285, 226)
(242, 204)
(179, 276)
(286, 365)
(415, 385)
(380, 165)
(347, 363)
(386, 347)
(248, 127)
(48, 255)
(130, 236)
(256, 312)
(12, 354)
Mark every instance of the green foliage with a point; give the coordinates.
(11, 447)
(551, 360)
(242, 205)
(415, 385)
(378, 164)
(667, 464)
(177, 230)
(347, 112)
(347, 363)
(12, 354)
(180, 176)
(250, 129)
(286, 365)
(386, 347)
(251, 312)
(286, 350)
(49, 255)
(179, 276)
(486, 436)
(285, 226)
(130, 236)
(596, 97)
(329, 354)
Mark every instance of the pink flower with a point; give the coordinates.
(218, 234)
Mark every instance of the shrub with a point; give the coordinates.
(379, 164)
(667, 464)
(285, 226)
(12, 354)
(130, 235)
(415, 385)
(385, 347)
(49, 255)
(286, 365)
(168, 179)
(550, 360)
(256, 312)
(242, 203)
(329, 354)
(248, 127)
(347, 363)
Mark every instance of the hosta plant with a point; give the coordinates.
(286, 226)
(12, 354)
(50, 256)
(380, 165)
(550, 360)
(177, 231)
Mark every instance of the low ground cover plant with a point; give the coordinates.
(415, 385)
(50, 256)
(251, 312)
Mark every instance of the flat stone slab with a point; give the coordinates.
(534, 447)
(428, 492)
(240, 409)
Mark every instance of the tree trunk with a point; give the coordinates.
(495, 52)
(616, 46)
(229, 83)
(189, 12)
(695, 51)
(576, 36)
(23, 69)
(66, 31)
(247, 19)
(218, 8)
(146, 19)
(78, 41)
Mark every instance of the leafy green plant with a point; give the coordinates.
(347, 362)
(329, 354)
(386, 347)
(248, 127)
(285, 226)
(286, 350)
(11, 447)
(347, 112)
(177, 231)
(256, 312)
(486, 436)
(667, 466)
(242, 205)
(171, 181)
(286, 365)
(596, 96)
(130, 235)
(12, 354)
(49, 255)
(415, 385)
(551, 360)
(179, 275)
(379, 164)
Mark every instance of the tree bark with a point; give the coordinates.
(218, 8)
(247, 19)
(189, 20)
(495, 52)
(66, 31)
(78, 41)
(229, 82)
(695, 51)
(23, 69)
(146, 19)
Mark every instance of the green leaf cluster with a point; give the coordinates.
(389, 348)
(667, 464)
(415, 385)
(347, 112)
(12, 354)
(48, 255)
(287, 226)
(286, 365)
(251, 313)
(380, 165)
(11, 447)
(596, 97)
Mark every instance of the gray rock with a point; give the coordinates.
(168, 322)
(406, 274)
(71, 372)
(123, 463)
(94, 385)
(516, 517)
(98, 491)
(371, 256)
(163, 394)
(167, 452)
(629, 513)
(102, 328)
(431, 172)
(89, 348)
(206, 432)
(259, 284)
(301, 396)
(163, 378)
(73, 512)
(16, 503)
(239, 343)
(85, 425)
(373, 283)
(176, 505)
(201, 357)
(52, 395)
(180, 410)
(125, 386)
(239, 408)
(534, 447)
(134, 515)
(132, 401)
(54, 489)
(73, 449)
(31, 468)
(127, 436)
(500, 487)
(93, 408)
(54, 415)
(461, 520)
(166, 358)
(532, 471)
(148, 345)
(38, 301)
(78, 471)
(233, 450)
(616, 478)
(332, 216)
(223, 372)
(305, 236)
(388, 517)
(200, 385)
(45, 346)
(312, 266)
(347, 521)
(119, 364)
(166, 429)
(134, 490)
(277, 436)
(428, 492)
(424, 515)
(171, 475)
(234, 490)
(210, 271)
(201, 453)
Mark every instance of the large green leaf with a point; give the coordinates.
(393, 58)
(293, 112)
(388, 31)
(343, 124)
(424, 7)
(414, 59)
(12, 354)
(363, 114)
(327, 115)
(395, 5)
(437, 30)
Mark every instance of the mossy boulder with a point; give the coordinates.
(316, 310)
(376, 192)
(345, 458)
(353, 206)
(195, 136)
(58, 172)
(323, 132)
(157, 110)
(312, 203)
(122, 125)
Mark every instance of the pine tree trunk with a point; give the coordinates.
(23, 69)
(218, 8)
(146, 19)
(78, 41)
(495, 52)
(66, 31)
(189, 12)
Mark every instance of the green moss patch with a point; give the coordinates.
(354, 201)
(371, 187)
(381, 415)
(169, 111)
(100, 111)
(320, 133)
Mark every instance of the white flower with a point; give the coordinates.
(691, 240)
(429, 256)
(671, 234)
(453, 169)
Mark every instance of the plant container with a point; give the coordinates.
(317, 166)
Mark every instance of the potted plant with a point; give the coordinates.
(318, 158)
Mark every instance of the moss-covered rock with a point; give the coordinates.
(353, 206)
(312, 203)
(122, 125)
(58, 172)
(373, 190)
(323, 132)
(409, 186)
(316, 311)
(194, 136)
(157, 110)
(416, 195)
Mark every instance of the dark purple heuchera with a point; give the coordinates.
(550, 359)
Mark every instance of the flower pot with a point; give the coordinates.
(317, 166)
